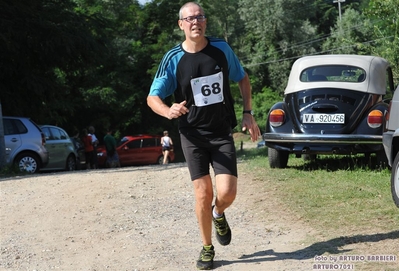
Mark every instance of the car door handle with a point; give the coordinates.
(14, 139)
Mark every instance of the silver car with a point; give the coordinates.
(25, 144)
(63, 155)
(390, 140)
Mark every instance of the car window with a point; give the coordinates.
(9, 128)
(63, 135)
(21, 128)
(56, 133)
(389, 82)
(336, 73)
(134, 144)
(47, 134)
(149, 142)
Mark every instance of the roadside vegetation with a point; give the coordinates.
(334, 194)
(84, 62)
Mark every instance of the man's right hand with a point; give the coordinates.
(177, 110)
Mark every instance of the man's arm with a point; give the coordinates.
(248, 121)
(159, 107)
(245, 89)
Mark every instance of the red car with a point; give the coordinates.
(137, 150)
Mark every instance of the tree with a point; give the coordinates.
(277, 31)
(384, 15)
(352, 35)
(44, 44)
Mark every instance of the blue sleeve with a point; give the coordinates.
(236, 71)
(165, 82)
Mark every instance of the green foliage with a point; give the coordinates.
(262, 102)
(41, 41)
(384, 14)
(352, 35)
(276, 31)
(76, 63)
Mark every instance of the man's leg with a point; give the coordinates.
(203, 190)
(226, 189)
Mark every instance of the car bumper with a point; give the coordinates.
(323, 143)
(323, 138)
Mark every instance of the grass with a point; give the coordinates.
(10, 171)
(334, 193)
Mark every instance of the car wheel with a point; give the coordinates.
(70, 163)
(395, 180)
(27, 162)
(277, 159)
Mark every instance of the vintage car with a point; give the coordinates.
(333, 104)
(390, 139)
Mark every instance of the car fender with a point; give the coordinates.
(395, 143)
(364, 128)
(287, 126)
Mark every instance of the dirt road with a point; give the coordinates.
(142, 218)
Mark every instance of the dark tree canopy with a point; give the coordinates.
(76, 63)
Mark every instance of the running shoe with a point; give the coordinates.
(223, 232)
(205, 260)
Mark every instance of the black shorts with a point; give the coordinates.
(165, 148)
(202, 151)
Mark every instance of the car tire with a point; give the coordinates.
(277, 159)
(70, 163)
(395, 180)
(27, 162)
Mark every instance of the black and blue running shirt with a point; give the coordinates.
(202, 79)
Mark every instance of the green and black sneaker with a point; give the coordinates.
(223, 232)
(205, 260)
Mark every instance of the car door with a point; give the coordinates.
(56, 148)
(151, 150)
(12, 138)
(130, 152)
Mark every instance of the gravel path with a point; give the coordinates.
(140, 218)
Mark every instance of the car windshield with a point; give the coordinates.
(335, 73)
(123, 140)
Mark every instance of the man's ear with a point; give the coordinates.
(180, 23)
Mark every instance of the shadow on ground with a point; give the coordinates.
(332, 246)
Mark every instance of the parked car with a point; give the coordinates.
(63, 155)
(137, 150)
(333, 104)
(80, 149)
(390, 139)
(25, 144)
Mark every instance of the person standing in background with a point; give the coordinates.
(88, 145)
(95, 144)
(167, 145)
(112, 154)
(198, 73)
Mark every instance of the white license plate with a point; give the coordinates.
(324, 118)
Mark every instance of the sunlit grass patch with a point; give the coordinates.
(335, 193)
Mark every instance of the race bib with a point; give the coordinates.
(208, 90)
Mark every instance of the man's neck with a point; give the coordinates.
(193, 46)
